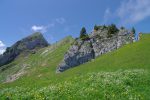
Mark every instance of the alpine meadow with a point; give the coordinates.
(52, 50)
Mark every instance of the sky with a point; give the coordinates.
(57, 19)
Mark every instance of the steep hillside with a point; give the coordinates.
(27, 44)
(119, 75)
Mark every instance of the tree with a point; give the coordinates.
(104, 26)
(133, 30)
(83, 31)
(83, 34)
(96, 28)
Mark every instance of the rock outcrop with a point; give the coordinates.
(27, 44)
(99, 43)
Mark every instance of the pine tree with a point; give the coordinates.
(133, 30)
(96, 28)
(83, 34)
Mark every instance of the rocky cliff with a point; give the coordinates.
(28, 44)
(99, 42)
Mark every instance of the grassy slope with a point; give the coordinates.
(129, 65)
(136, 55)
(42, 64)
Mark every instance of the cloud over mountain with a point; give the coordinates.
(36, 28)
(44, 28)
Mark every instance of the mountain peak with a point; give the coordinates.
(36, 34)
(34, 41)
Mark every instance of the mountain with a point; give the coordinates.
(98, 43)
(28, 44)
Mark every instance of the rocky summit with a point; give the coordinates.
(28, 44)
(100, 42)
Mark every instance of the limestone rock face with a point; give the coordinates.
(78, 54)
(124, 37)
(29, 43)
(99, 43)
(104, 45)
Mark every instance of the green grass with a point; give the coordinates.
(122, 74)
(121, 85)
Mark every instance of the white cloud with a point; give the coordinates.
(133, 11)
(44, 28)
(2, 51)
(2, 47)
(129, 12)
(60, 20)
(2, 44)
(36, 28)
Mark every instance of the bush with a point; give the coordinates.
(75, 43)
(103, 27)
(96, 28)
(98, 36)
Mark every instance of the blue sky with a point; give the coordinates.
(59, 18)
